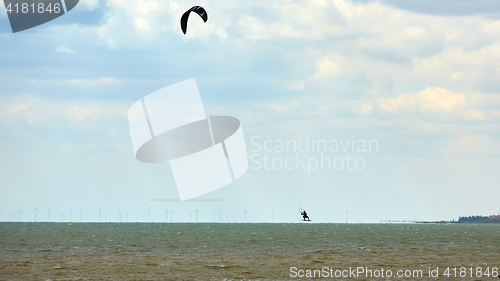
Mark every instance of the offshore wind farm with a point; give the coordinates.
(119, 216)
(149, 215)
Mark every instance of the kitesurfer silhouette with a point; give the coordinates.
(305, 216)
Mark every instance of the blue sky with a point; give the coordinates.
(420, 78)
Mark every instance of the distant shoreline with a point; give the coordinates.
(471, 220)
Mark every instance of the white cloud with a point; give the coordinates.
(354, 58)
(448, 104)
(473, 114)
(472, 144)
(457, 64)
(431, 99)
(254, 28)
(16, 107)
(427, 127)
(47, 112)
(87, 82)
(371, 40)
(89, 4)
(146, 23)
(142, 24)
(415, 31)
(299, 20)
(97, 81)
(282, 107)
(85, 113)
(328, 67)
(65, 49)
(146, 7)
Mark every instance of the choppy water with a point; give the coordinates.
(162, 251)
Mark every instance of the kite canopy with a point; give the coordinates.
(197, 9)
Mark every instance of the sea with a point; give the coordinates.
(248, 251)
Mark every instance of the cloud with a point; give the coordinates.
(146, 7)
(440, 101)
(86, 113)
(145, 23)
(89, 4)
(142, 24)
(86, 82)
(282, 107)
(472, 144)
(459, 7)
(473, 114)
(16, 107)
(97, 81)
(37, 111)
(331, 60)
(328, 67)
(64, 49)
(432, 99)
(371, 45)
(456, 64)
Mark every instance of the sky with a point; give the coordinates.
(418, 80)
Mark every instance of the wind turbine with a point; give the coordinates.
(220, 214)
(215, 211)
(70, 215)
(119, 216)
(105, 215)
(166, 215)
(35, 214)
(21, 215)
(61, 216)
(346, 216)
(234, 216)
(126, 215)
(196, 211)
(272, 217)
(190, 216)
(149, 215)
(245, 214)
(100, 213)
(171, 215)
(80, 214)
(48, 213)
